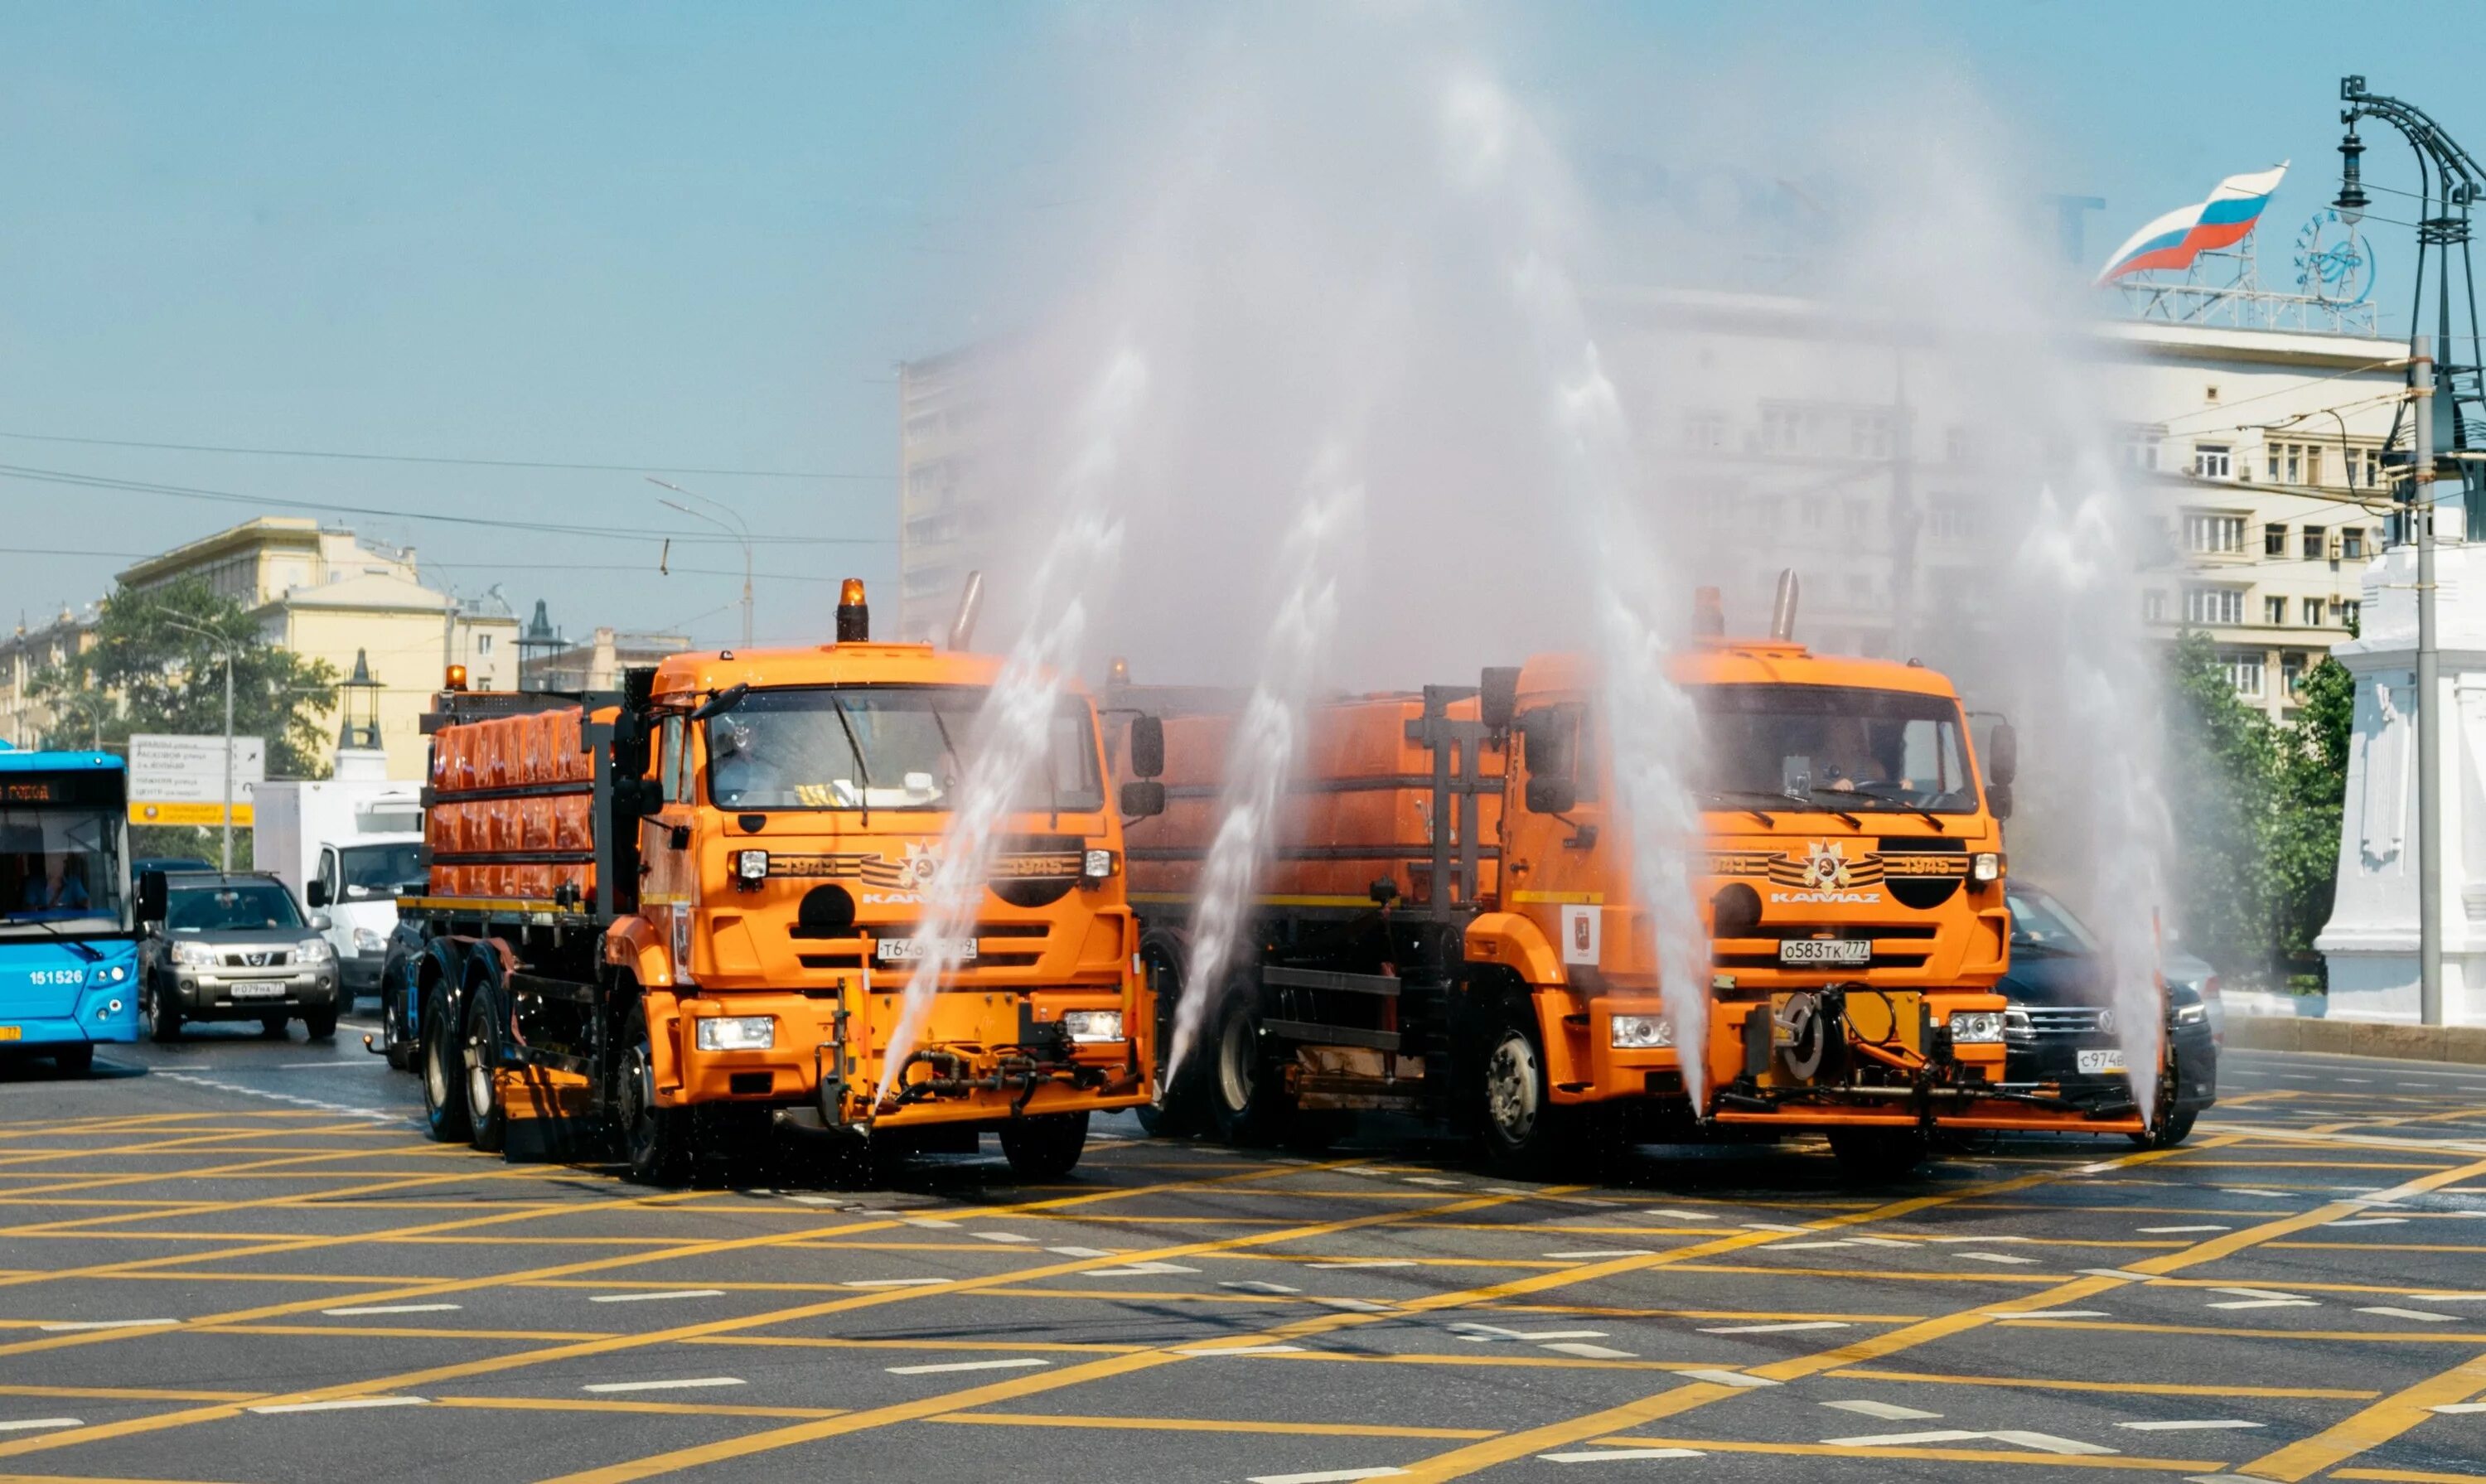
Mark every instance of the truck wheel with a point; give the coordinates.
(1523, 1129)
(444, 1075)
(321, 1024)
(1248, 1104)
(1876, 1156)
(1044, 1147)
(1182, 1108)
(487, 1121)
(162, 1014)
(75, 1059)
(2171, 1130)
(655, 1141)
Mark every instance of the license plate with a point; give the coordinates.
(259, 991)
(1826, 950)
(2101, 1060)
(12, 1032)
(908, 950)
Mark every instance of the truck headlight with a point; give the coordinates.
(1092, 1025)
(738, 1033)
(2189, 1015)
(368, 942)
(1976, 1028)
(1641, 1032)
(315, 950)
(1096, 864)
(194, 956)
(750, 867)
(1985, 866)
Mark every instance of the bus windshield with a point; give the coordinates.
(60, 866)
(1835, 748)
(882, 747)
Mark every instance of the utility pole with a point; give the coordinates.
(738, 530)
(2429, 692)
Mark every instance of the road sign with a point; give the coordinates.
(177, 779)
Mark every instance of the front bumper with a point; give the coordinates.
(2055, 1059)
(361, 973)
(240, 995)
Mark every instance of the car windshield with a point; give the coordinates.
(381, 870)
(58, 865)
(1835, 748)
(2039, 921)
(229, 907)
(881, 747)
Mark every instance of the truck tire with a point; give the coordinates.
(1248, 1104)
(488, 1123)
(656, 1141)
(74, 1059)
(163, 1014)
(441, 1054)
(1878, 1154)
(1181, 1106)
(1523, 1129)
(2167, 1133)
(1044, 1147)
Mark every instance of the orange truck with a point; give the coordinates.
(657, 920)
(1450, 924)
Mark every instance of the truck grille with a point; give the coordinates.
(2065, 1020)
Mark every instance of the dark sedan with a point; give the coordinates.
(2061, 1027)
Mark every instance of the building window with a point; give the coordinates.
(2313, 548)
(2273, 611)
(2210, 532)
(2349, 613)
(2313, 463)
(2291, 671)
(2368, 466)
(2243, 673)
(1868, 435)
(2352, 544)
(1948, 518)
(2141, 449)
(2293, 463)
(482, 643)
(2153, 607)
(2273, 541)
(1705, 432)
(2214, 605)
(2313, 613)
(2214, 460)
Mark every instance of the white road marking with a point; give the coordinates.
(2047, 1443)
(641, 1297)
(1365, 1262)
(1433, 1180)
(1079, 1251)
(1021, 1363)
(1881, 1241)
(1680, 1216)
(1605, 1252)
(104, 1324)
(391, 1309)
(1776, 1329)
(28, 1424)
(1887, 1411)
(894, 1283)
(1245, 1350)
(1998, 1258)
(1357, 1305)
(2156, 1231)
(2044, 1443)
(1136, 1269)
(1727, 1377)
(2419, 1315)
(687, 1384)
(1333, 1476)
(2449, 1298)
(2459, 1409)
(2187, 1427)
(2258, 1293)
(1258, 1285)
(1618, 1455)
(999, 1236)
(1592, 1352)
(2267, 1304)
(1806, 1247)
(1775, 1226)
(2098, 1168)
(2371, 1220)
(926, 1221)
(342, 1404)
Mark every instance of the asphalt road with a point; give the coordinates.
(237, 1260)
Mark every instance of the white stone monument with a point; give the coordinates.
(2371, 941)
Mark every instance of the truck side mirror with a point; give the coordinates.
(1498, 698)
(1998, 798)
(316, 893)
(1552, 795)
(1142, 798)
(151, 896)
(2002, 754)
(1148, 749)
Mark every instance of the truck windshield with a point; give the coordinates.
(381, 870)
(1835, 748)
(59, 866)
(229, 907)
(879, 747)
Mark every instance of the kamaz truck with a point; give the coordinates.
(657, 920)
(1450, 923)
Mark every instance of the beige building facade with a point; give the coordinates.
(25, 719)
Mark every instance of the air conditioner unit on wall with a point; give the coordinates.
(2332, 546)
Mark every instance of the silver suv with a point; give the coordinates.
(235, 948)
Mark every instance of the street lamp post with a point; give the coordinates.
(223, 648)
(739, 531)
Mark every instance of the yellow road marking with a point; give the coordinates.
(2406, 1476)
(2141, 1387)
(2372, 1427)
(650, 1409)
(1205, 1425)
(132, 1394)
(1941, 1455)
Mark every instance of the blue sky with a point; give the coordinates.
(701, 236)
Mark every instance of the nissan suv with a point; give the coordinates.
(236, 947)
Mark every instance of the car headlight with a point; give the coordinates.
(1096, 864)
(738, 1033)
(1092, 1025)
(315, 950)
(1641, 1033)
(2189, 1015)
(194, 956)
(1985, 866)
(1976, 1028)
(368, 942)
(750, 867)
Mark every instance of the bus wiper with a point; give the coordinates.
(1853, 822)
(86, 949)
(863, 769)
(1918, 809)
(1769, 820)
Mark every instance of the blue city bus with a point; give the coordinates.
(68, 920)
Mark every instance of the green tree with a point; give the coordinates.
(2222, 782)
(156, 664)
(2311, 785)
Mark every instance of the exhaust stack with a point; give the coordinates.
(971, 603)
(1783, 607)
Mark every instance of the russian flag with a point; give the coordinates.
(2175, 239)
